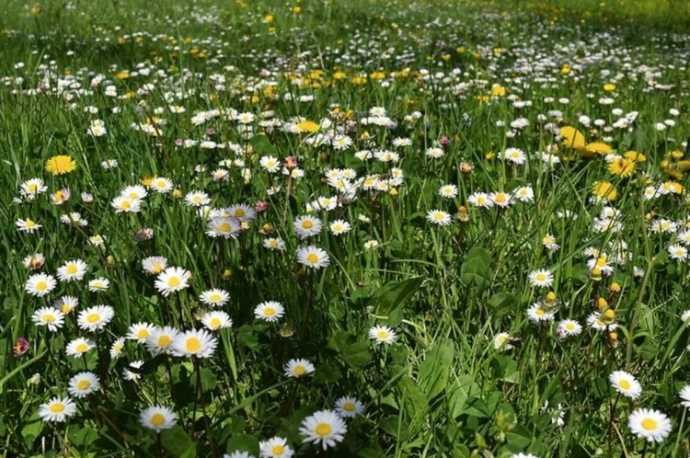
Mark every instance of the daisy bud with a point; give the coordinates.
(615, 288)
(610, 315)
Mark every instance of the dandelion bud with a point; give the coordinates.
(610, 315)
(613, 336)
(551, 296)
(177, 193)
(602, 304)
(227, 273)
(615, 288)
(110, 260)
(462, 214)
(393, 192)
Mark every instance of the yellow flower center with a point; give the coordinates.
(307, 224)
(32, 187)
(500, 197)
(49, 318)
(193, 345)
(323, 429)
(125, 204)
(540, 311)
(157, 419)
(29, 223)
(225, 227)
(57, 407)
(300, 370)
(72, 269)
(164, 341)
(83, 384)
(143, 333)
(649, 424)
(214, 297)
(570, 326)
(625, 384)
(173, 282)
(157, 268)
(277, 450)
(269, 311)
(81, 347)
(93, 317)
(541, 277)
(215, 323)
(349, 406)
(239, 213)
(312, 258)
(41, 285)
(382, 335)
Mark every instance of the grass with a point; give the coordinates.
(472, 369)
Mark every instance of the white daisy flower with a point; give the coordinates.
(57, 409)
(298, 368)
(325, 427)
(652, 425)
(157, 418)
(625, 384)
(83, 384)
(270, 311)
(199, 343)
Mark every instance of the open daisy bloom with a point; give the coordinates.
(324, 428)
(651, 425)
(57, 409)
(157, 418)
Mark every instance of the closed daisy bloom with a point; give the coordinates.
(223, 227)
(438, 217)
(83, 384)
(154, 264)
(215, 297)
(172, 279)
(339, 227)
(541, 278)
(160, 340)
(625, 384)
(275, 447)
(117, 347)
(312, 256)
(382, 334)
(270, 311)
(157, 418)
(325, 427)
(216, 320)
(274, 243)
(194, 343)
(348, 407)
(95, 318)
(27, 225)
(99, 284)
(569, 328)
(307, 226)
(40, 284)
(49, 317)
(685, 396)
(140, 332)
(57, 409)
(652, 425)
(298, 368)
(449, 191)
(72, 270)
(79, 346)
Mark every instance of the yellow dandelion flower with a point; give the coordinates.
(604, 190)
(308, 126)
(635, 156)
(600, 148)
(60, 165)
(622, 167)
(573, 138)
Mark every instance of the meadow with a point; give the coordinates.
(258, 229)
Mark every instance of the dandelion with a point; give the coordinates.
(83, 384)
(275, 447)
(325, 427)
(312, 256)
(625, 384)
(298, 368)
(382, 335)
(172, 279)
(348, 407)
(194, 343)
(40, 284)
(49, 317)
(57, 409)
(270, 311)
(157, 418)
(652, 425)
(60, 165)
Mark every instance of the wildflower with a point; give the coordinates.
(514, 155)
(524, 194)
(117, 347)
(238, 454)
(339, 227)
(154, 264)
(72, 270)
(502, 341)
(549, 242)
(537, 313)
(60, 165)
(567, 328)
(157, 418)
(270, 311)
(604, 191)
(652, 425)
(449, 191)
(541, 278)
(83, 384)
(312, 256)
(197, 199)
(625, 384)
(298, 368)
(48, 317)
(123, 204)
(685, 396)
(274, 243)
(480, 199)
(678, 252)
(161, 185)
(216, 320)
(34, 262)
(241, 212)
(57, 409)
(79, 346)
(160, 340)
(306, 226)
(348, 407)
(382, 334)
(33, 187)
(438, 217)
(40, 284)
(275, 447)
(215, 297)
(129, 374)
(270, 163)
(194, 343)
(95, 318)
(370, 244)
(27, 225)
(172, 279)
(139, 332)
(324, 427)
(622, 167)
(21, 346)
(223, 227)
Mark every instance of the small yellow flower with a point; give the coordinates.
(60, 165)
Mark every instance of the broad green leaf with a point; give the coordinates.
(415, 404)
(357, 354)
(391, 297)
(177, 443)
(435, 369)
(243, 443)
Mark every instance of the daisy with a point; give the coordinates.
(652, 425)
(216, 320)
(434, 153)
(598, 322)
(685, 396)
(83, 384)
(625, 384)
(549, 242)
(324, 427)
(312, 256)
(567, 328)
(140, 332)
(123, 204)
(117, 347)
(339, 227)
(537, 313)
(449, 191)
(40, 284)
(79, 346)
(270, 164)
(223, 227)
(27, 225)
(514, 155)
(298, 368)
(502, 341)
(306, 226)
(238, 454)
(270, 311)
(524, 194)
(72, 270)
(274, 244)
(48, 316)
(161, 339)
(172, 279)
(161, 185)
(34, 262)
(348, 407)
(541, 278)
(157, 418)
(215, 297)
(241, 212)
(154, 264)
(57, 409)
(99, 284)
(128, 374)
(275, 447)
(194, 343)
(32, 187)
(66, 304)
(678, 252)
(438, 217)
(95, 318)
(480, 199)
(134, 192)
(501, 199)
(197, 199)
(382, 334)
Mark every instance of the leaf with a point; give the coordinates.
(435, 369)
(243, 443)
(83, 437)
(208, 380)
(263, 146)
(464, 387)
(391, 297)
(475, 272)
(519, 436)
(414, 404)
(357, 354)
(177, 443)
(326, 373)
